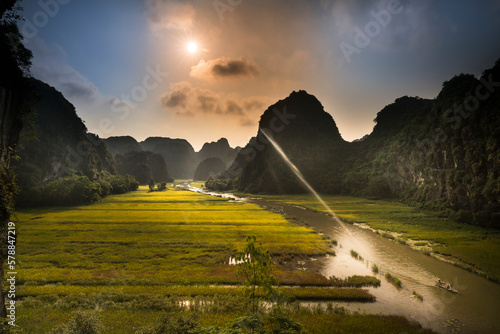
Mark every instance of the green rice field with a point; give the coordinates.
(131, 258)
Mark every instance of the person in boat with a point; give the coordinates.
(439, 281)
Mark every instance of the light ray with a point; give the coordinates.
(301, 177)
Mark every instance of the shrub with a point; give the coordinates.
(81, 323)
(77, 190)
(170, 324)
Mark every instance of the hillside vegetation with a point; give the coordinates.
(441, 154)
(60, 162)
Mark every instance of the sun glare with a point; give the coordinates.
(192, 47)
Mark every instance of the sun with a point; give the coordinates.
(192, 47)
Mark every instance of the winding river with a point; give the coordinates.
(475, 310)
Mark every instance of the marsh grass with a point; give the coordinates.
(394, 280)
(355, 281)
(472, 247)
(356, 255)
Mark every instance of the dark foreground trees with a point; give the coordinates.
(16, 103)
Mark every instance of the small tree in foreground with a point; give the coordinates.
(254, 266)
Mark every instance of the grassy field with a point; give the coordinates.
(474, 248)
(131, 257)
(142, 238)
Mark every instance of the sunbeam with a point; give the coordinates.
(301, 177)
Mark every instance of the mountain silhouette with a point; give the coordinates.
(307, 135)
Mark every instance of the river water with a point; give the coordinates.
(475, 310)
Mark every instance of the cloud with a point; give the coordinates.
(225, 68)
(186, 100)
(50, 64)
(170, 15)
(232, 107)
(117, 104)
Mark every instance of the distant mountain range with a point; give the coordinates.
(441, 153)
(179, 155)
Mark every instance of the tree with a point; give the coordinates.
(16, 102)
(254, 266)
(151, 185)
(162, 186)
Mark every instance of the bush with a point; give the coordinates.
(5, 328)
(170, 324)
(77, 190)
(81, 323)
(219, 184)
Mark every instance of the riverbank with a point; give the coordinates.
(472, 248)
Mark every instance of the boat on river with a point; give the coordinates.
(446, 286)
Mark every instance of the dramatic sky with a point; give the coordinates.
(206, 69)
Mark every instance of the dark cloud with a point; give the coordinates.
(208, 103)
(233, 108)
(234, 68)
(224, 68)
(176, 99)
(187, 100)
(178, 96)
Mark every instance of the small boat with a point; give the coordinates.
(446, 286)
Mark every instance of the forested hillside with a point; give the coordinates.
(144, 166)
(59, 161)
(442, 154)
(447, 158)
